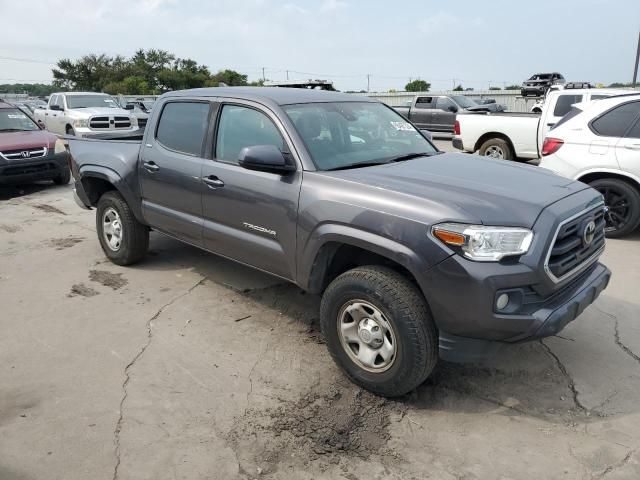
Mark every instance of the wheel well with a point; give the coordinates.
(490, 135)
(590, 177)
(68, 127)
(335, 258)
(96, 187)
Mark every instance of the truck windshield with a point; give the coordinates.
(347, 134)
(91, 101)
(464, 102)
(15, 120)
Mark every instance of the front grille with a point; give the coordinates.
(570, 251)
(109, 123)
(29, 169)
(25, 153)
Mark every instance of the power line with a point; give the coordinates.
(27, 60)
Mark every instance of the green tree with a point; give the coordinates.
(495, 88)
(459, 88)
(31, 89)
(417, 86)
(512, 87)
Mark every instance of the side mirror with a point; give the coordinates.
(129, 106)
(55, 107)
(452, 109)
(264, 158)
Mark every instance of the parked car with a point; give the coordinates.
(340, 195)
(437, 113)
(599, 143)
(537, 107)
(513, 135)
(84, 113)
(137, 108)
(538, 84)
(28, 153)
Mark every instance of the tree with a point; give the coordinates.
(417, 86)
(459, 88)
(31, 89)
(495, 88)
(512, 87)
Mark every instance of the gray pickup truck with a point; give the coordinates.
(418, 254)
(437, 113)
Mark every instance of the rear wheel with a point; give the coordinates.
(497, 148)
(124, 240)
(622, 202)
(378, 330)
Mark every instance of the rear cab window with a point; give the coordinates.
(563, 105)
(182, 126)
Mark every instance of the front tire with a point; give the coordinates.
(64, 178)
(379, 330)
(123, 239)
(623, 206)
(497, 148)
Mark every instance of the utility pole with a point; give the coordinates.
(263, 79)
(368, 75)
(635, 69)
(287, 74)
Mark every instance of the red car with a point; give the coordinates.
(27, 152)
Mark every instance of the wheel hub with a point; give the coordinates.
(370, 332)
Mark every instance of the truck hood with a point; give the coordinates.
(492, 192)
(34, 139)
(88, 112)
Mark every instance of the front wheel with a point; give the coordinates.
(378, 330)
(124, 240)
(622, 203)
(64, 177)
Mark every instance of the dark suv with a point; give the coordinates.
(27, 152)
(538, 84)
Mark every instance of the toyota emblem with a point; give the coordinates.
(25, 154)
(589, 232)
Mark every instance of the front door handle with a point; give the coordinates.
(213, 182)
(633, 146)
(151, 166)
(550, 124)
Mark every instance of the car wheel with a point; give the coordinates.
(379, 330)
(124, 240)
(64, 178)
(70, 131)
(497, 148)
(622, 202)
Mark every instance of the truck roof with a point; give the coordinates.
(73, 94)
(275, 95)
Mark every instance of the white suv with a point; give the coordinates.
(599, 144)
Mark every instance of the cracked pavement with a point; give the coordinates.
(193, 367)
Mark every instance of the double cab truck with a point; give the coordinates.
(418, 254)
(437, 113)
(84, 114)
(513, 135)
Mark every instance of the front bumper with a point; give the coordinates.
(86, 132)
(30, 170)
(534, 90)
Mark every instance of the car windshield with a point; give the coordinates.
(348, 134)
(91, 101)
(15, 120)
(544, 76)
(464, 102)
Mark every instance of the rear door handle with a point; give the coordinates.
(151, 166)
(213, 182)
(633, 146)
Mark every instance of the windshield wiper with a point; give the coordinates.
(15, 130)
(410, 156)
(357, 165)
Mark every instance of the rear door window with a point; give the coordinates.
(183, 126)
(616, 122)
(563, 105)
(424, 102)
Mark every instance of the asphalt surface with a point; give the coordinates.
(187, 366)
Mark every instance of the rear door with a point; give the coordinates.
(608, 147)
(444, 115)
(250, 216)
(170, 168)
(628, 147)
(422, 112)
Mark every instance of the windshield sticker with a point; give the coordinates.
(17, 115)
(405, 126)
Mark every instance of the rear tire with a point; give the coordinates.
(123, 238)
(64, 178)
(623, 203)
(392, 305)
(497, 148)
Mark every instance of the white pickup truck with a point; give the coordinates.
(85, 114)
(512, 135)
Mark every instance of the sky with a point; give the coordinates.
(470, 42)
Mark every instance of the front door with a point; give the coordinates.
(170, 169)
(250, 216)
(444, 115)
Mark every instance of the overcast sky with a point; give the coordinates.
(472, 42)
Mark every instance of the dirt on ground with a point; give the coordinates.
(48, 208)
(108, 279)
(80, 289)
(62, 243)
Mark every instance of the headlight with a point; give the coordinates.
(60, 146)
(81, 123)
(484, 243)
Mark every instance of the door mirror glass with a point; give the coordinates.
(264, 158)
(56, 107)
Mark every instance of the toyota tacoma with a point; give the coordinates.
(418, 254)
